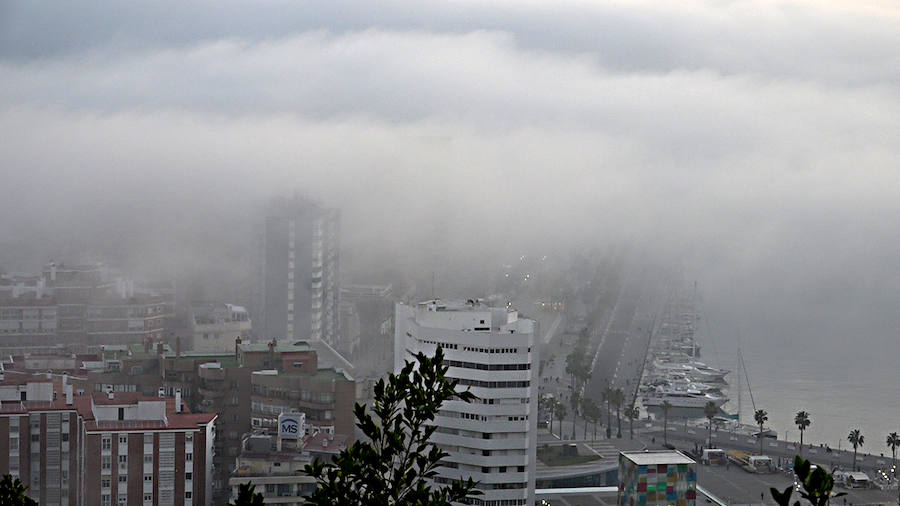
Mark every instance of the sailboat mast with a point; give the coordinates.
(739, 388)
(747, 377)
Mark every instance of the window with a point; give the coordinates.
(105, 500)
(123, 478)
(188, 437)
(188, 457)
(104, 483)
(188, 476)
(148, 459)
(35, 438)
(148, 478)
(65, 437)
(123, 459)
(148, 497)
(106, 443)
(106, 462)
(187, 495)
(123, 439)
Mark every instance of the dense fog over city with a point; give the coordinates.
(224, 225)
(752, 145)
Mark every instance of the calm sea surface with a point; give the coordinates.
(843, 386)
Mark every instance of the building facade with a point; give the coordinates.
(494, 354)
(214, 326)
(301, 270)
(103, 449)
(276, 468)
(86, 304)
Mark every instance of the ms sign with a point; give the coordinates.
(289, 425)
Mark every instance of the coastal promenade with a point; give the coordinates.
(730, 485)
(829, 459)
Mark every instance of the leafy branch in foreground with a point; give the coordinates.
(248, 496)
(815, 486)
(393, 465)
(12, 492)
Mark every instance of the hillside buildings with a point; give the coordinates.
(300, 275)
(494, 354)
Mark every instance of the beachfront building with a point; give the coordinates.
(493, 353)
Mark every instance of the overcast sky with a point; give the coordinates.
(754, 142)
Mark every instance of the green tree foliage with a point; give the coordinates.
(761, 416)
(816, 486)
(12, 492)
(802, 421)
(248, 496)
(393, 464)
(856, 439)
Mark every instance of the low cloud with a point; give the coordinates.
(752, 143)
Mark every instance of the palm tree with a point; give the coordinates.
(584, 416)
(550, 407)
(632, 413)
(802, 421)
(559, 409)
(12, 492)
(607, 398)
(710, 410)
(760, 416)
(591, 412)
(666, 406)
(618, 399)
(893, 441)
(575, 401)
(856, 439)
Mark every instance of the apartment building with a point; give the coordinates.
(301, 271)
(87, 304)
(494, 354)
(103, 448)
(215, 326)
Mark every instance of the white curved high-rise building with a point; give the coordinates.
(493, 353)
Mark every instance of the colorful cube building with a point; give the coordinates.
(662, 477)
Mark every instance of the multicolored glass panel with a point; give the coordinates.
(643, 485)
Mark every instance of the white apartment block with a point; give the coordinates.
(494, 354)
